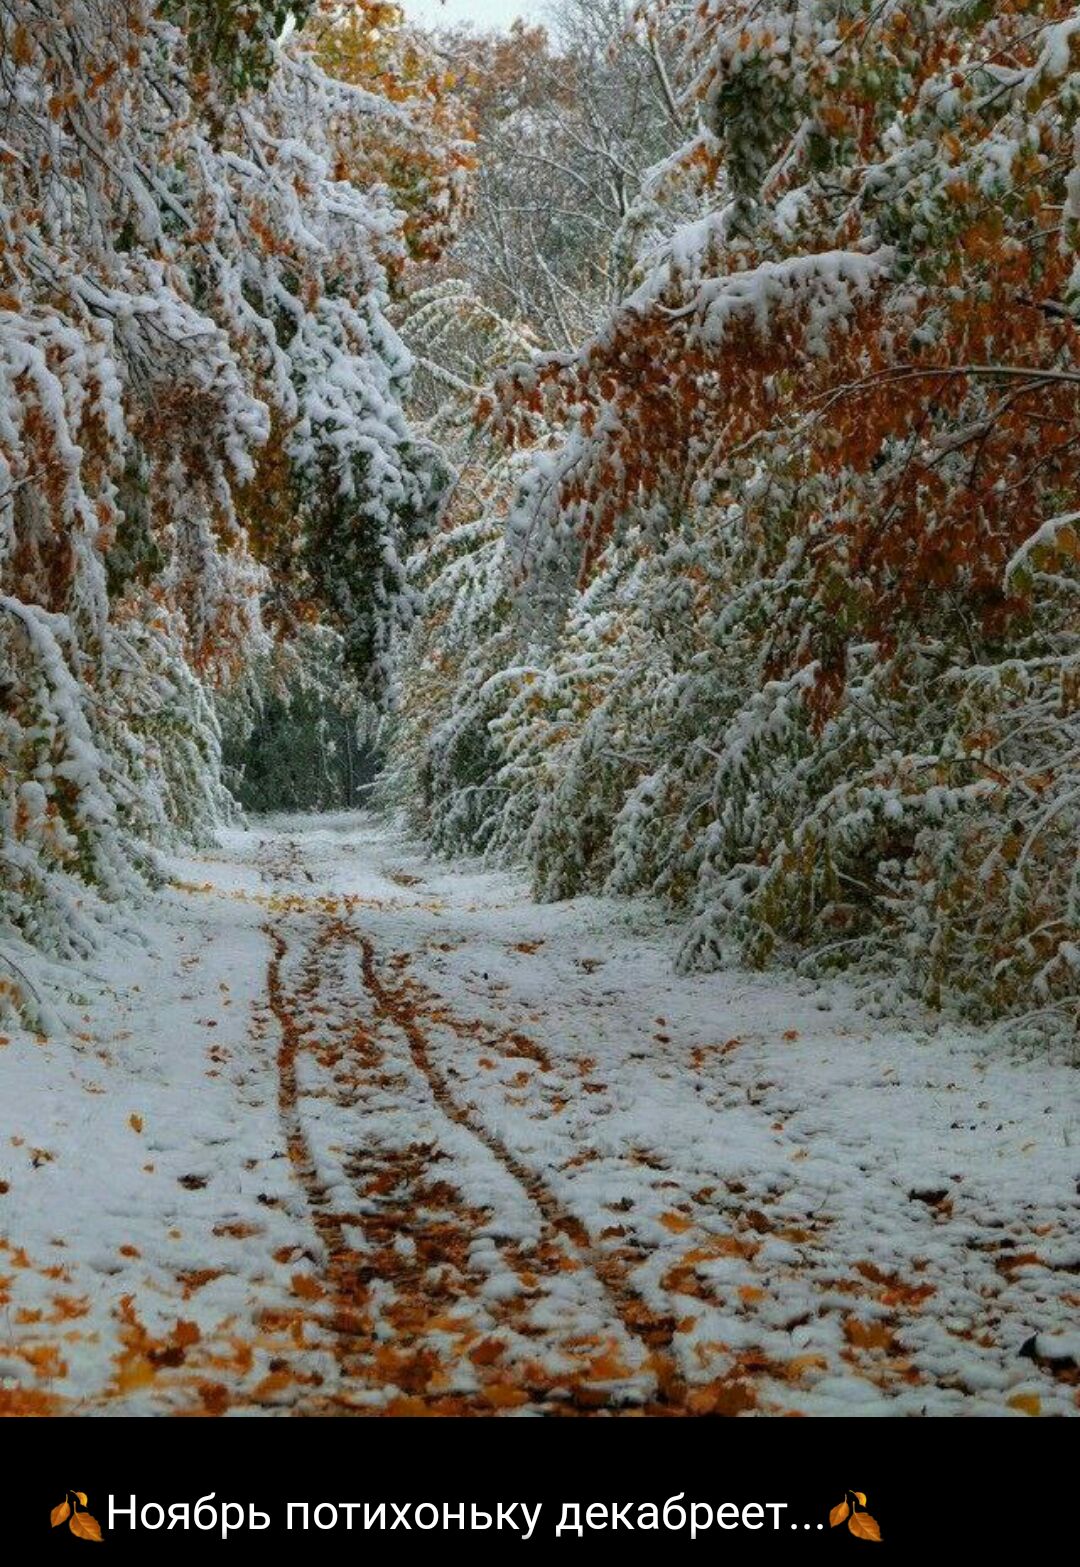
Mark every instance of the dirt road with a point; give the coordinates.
(374, 1135)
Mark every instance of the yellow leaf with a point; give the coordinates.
(85, 1527)
(58, 1514)
(839, 1513)
(863, 1527)
(1028, 1403)
(862, 1497)
(82, 1497)
(135, 1122)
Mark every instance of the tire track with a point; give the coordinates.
(349, 1321)
(638, 1318)
(348, 1273)
(405, 1182)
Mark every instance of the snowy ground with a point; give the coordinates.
(368, 1134)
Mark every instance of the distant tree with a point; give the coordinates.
(567, 120)
(298, 735)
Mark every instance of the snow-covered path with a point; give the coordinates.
(370, 1134)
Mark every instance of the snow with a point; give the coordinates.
(361, 1131)
(1048, 536)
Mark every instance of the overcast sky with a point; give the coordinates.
(485, 13)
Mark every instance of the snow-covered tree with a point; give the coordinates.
(568, 118)
(794, 568)
(200, 413)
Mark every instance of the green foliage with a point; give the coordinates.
(297, 734)
(303, 753)
(232, 41)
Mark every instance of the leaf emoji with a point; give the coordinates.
(82, 1497)
(58, 1514)
(135, 1122)
(862, 1497)
(85, 1527)
(863, 1527)
(839, 1513)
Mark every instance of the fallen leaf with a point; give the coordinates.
(723, 1397)
(308, 1288)
(135, 1122)
(85, 1527)
(58, 1514)
(839, 1513)
(214, 1396)
(487, 1352)
(606, 1368)
(1027, 1403)
(502, 1396)
(868, 1335)
(796, 1368)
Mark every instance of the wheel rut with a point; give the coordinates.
(405, 1182)
(343, 1277)
(635, 1314)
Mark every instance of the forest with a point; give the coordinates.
(633, 456)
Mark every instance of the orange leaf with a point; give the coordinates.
(135, 1122)
(85, 1527)
(82, 1497)
(487, 1352)
(839, 1513)
(862, 1497)
(58, 1514)
(307, 1287)
(503, 1396)
(863, 1527)
(677, 1223)
(1028, 1403)
(722, 1397)
(215, 1397)
(605, 1368)
(868, 1335)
